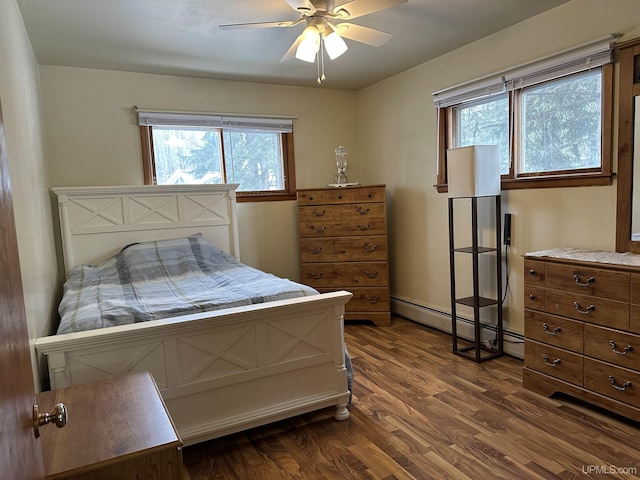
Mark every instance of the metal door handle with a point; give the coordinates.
(58, 416)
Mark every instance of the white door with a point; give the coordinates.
(20, 452)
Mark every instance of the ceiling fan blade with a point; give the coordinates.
(362, 34)
(302, 6)
(236, 26)
(358, 8)
(292, 50)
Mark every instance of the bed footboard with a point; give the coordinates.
(224, 371)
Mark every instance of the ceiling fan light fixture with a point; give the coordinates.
(309, 44)
(334, 44)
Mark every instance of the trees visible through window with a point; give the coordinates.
(258, 158)
(551, 120)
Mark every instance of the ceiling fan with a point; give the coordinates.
(325, 28)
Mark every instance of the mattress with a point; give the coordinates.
(162, 279)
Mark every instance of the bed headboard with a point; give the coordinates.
(96, 222)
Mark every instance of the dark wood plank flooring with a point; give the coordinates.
(420, 412)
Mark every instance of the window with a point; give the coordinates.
(185, 148)
(551, 120)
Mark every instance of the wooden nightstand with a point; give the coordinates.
(117, 428)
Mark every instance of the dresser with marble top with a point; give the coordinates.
(582, 327)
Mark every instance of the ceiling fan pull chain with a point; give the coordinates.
(321, 77)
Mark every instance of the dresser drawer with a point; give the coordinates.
(557, 331)
(343, 249)
(374, 299)
(371, 194)
(635, 289)
(553, 361)
(364, 274)
(634, 319)
(615, 382)
(535, 298)
(315, 221)
(534, 273)
(328, 196)
(364, 219)
(317, 213)
(589, 309)
(312, 197)
(589, 281)
(612, 346)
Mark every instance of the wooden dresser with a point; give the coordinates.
(582, 327)
(116, 429)
(343, 246)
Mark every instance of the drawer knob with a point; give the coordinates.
(58, 417)
(549, 332)
(370, 248)
(364, 228)
(615, 385)
(588, 283)
(532, 272)
(626, 350)
(553, 364)
(318, 229)
(589, 309)
(362, 211)
(532, 296)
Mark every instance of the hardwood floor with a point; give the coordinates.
(420, 412)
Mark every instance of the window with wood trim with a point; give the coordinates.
(551, 120)
(256, 153)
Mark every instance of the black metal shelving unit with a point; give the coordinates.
(475, 349)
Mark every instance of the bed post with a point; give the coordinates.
(234, 243)
(65, 231)
(342, 412)
(58, 370)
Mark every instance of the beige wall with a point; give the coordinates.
(402, 152)
(389, 129)
(92, 139)
(25, 150)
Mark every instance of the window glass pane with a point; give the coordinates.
(187, 155)
(484, 122)
(561, 124)
(254, 160)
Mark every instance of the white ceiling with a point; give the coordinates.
(181, 37)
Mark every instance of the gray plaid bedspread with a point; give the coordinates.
(162, 279)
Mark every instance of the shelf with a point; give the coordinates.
(476, 250)
(475, 349)
(471, 353)
(482, 301)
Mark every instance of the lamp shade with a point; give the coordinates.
(473, 171)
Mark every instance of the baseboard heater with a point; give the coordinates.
(441, 320)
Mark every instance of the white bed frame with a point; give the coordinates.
(218, 372)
